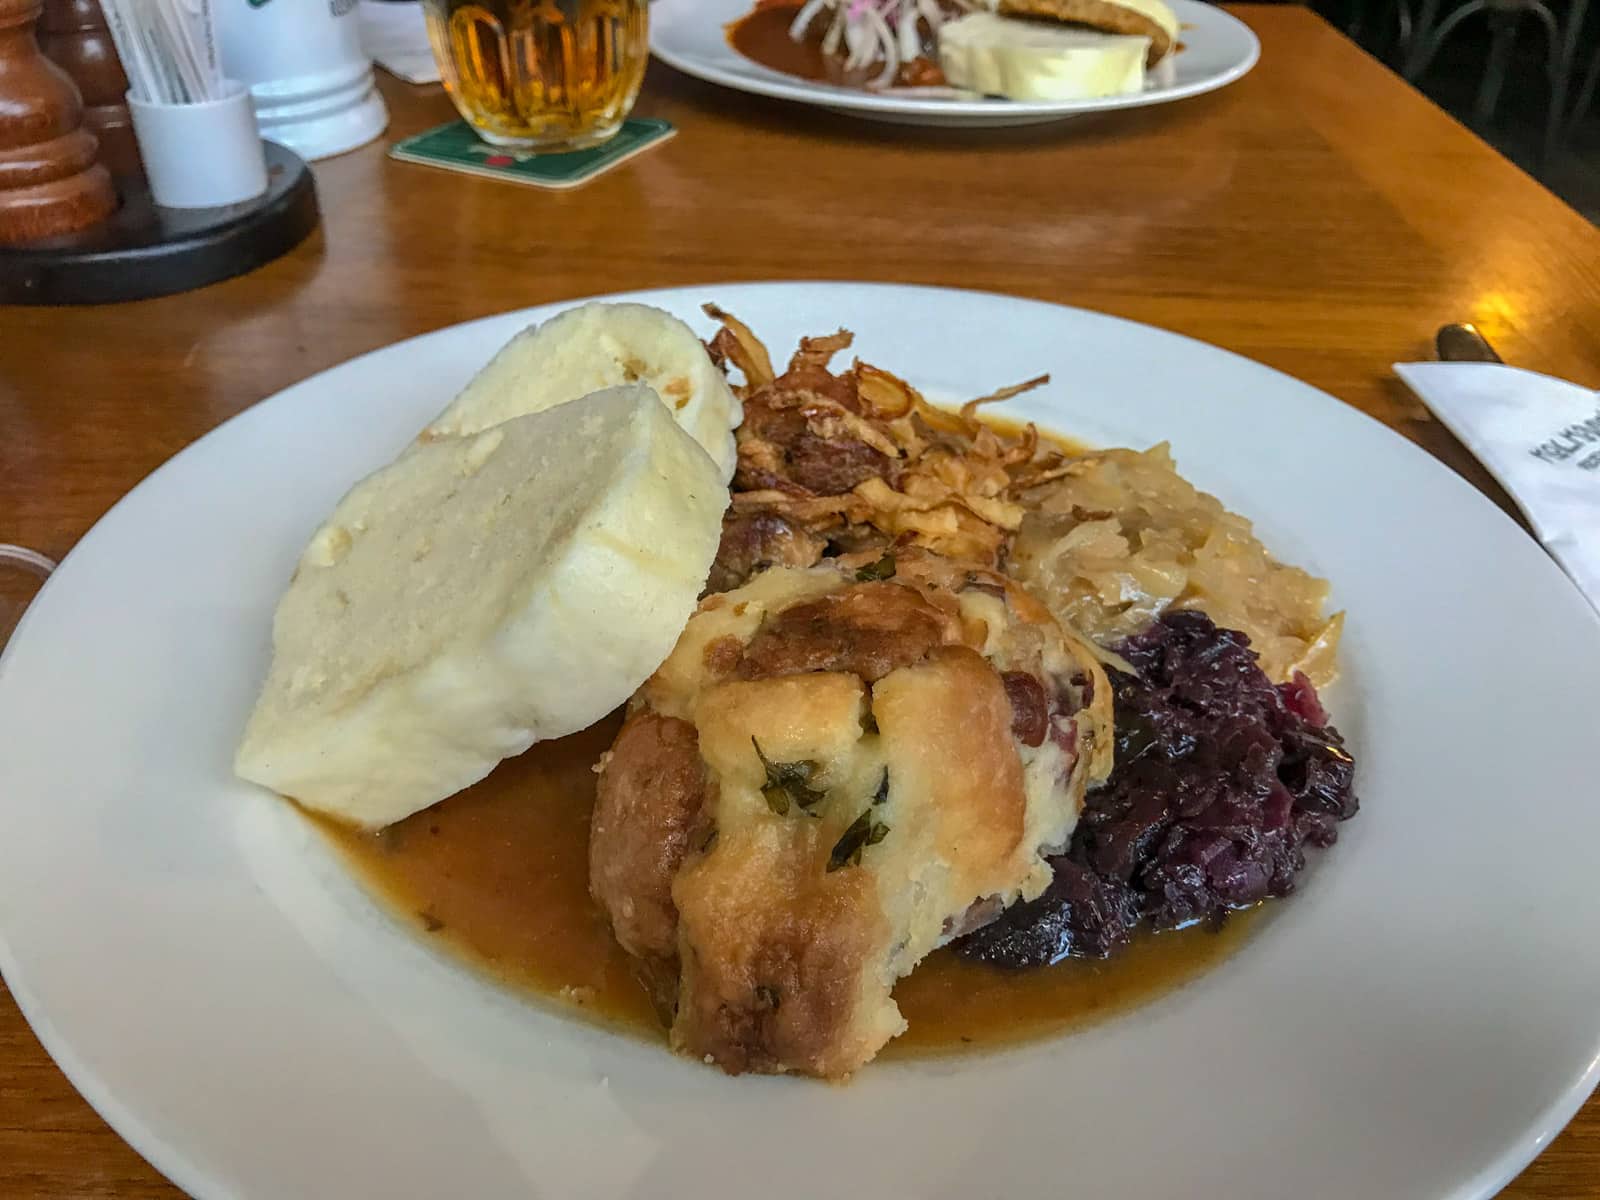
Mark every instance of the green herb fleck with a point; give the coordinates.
(863, 832)
(882, 794)
(874, 572)
(788, 782)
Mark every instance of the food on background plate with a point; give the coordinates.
(478, 595)
(598, 346)
(1028, 60)
(1151, 19)
(838, 770)
(946, 683)
(893, 40)
(1039, 50)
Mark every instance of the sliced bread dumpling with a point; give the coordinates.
(1033, 60)
(597, 346)
(478, 595)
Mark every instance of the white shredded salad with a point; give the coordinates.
(882, 33)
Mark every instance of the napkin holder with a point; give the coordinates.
(146, 250)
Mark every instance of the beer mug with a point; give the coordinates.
(546, 75)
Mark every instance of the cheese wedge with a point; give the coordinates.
(478, 595)
(597, 346)
(1031, 60)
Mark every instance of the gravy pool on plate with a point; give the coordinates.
(498, 875)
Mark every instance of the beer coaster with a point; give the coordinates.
(456, 148)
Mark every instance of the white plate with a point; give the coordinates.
(688, 35)
(1416, 1023)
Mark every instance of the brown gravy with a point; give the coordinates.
(499, 874)
(763, 36)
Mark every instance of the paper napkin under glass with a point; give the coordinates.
(1540, 437)
(395, 36)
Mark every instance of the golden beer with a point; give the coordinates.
(541, 74)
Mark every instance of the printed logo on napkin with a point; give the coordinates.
(1540, 437)
(1574, 440)
(455, 147)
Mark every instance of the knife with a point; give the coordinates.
(1463, 343)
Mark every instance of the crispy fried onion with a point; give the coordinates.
(736, 344)
(939, 479)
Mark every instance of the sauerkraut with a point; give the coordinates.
(1122, 538)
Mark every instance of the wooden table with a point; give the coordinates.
(1320, 216)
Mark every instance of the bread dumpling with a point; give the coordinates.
(478, 595)
(602, 345)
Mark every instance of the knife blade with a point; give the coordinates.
(1463, 343)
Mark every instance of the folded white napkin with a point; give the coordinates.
(395, 36)
(1540, 437)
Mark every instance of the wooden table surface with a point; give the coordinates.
(1319, 216)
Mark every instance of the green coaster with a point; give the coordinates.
(456, 148)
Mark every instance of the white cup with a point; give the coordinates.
(201, 155)
(303, 63)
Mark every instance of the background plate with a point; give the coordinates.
(1415, 1023)
(688, 35)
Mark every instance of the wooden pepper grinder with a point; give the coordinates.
(49, 181)
(74, 35)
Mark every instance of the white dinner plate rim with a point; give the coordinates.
(170, 1160)
(992, 111)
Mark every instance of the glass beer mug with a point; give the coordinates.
(545, 75)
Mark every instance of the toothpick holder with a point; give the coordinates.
(201, 155)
